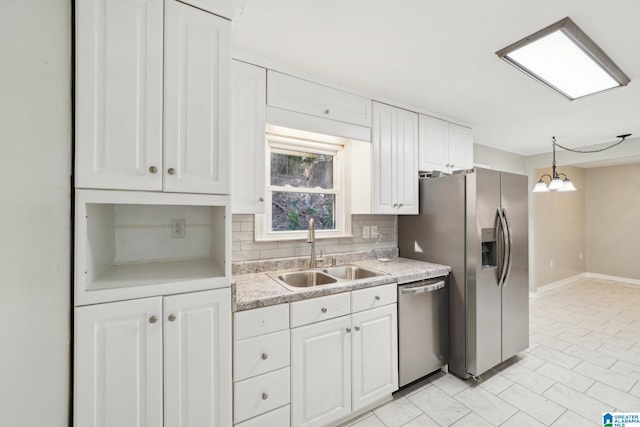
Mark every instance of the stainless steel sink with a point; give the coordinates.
(351, 272)
(303, 279)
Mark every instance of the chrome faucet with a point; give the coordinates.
(311, 238)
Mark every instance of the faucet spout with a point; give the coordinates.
(311, 238)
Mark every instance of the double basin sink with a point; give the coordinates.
(308, 278)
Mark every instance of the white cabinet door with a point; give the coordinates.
(321, 372)
(433, 144)
(303, 96)
(248, 109)
(460, 147)
(197, 376)
(444, 146)
(375, 355)
(119, 94)
(395, 161)
(197, 64)
(407, 163)
(118, 364)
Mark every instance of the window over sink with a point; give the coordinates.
(305, 178)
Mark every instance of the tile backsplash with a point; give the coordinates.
(244, 248)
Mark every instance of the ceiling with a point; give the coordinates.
(439, 57)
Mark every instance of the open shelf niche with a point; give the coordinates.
(127, 244)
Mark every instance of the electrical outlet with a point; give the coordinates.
(366, 232)
(178, 228)
(374, 231)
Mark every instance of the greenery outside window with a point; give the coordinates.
(304, 179)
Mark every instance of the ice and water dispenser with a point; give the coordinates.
(489, 248)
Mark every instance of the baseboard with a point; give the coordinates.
(564, 282)
(624, 280)
(558, 284)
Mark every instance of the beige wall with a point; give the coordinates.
(612, 211)
(498, 159)
(558, 230)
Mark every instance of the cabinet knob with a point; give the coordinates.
(265, 396)
(395, 205)
(171, 171)
(452, 165)
(400, 205)
(153, 319)
(172, 317)
(324, 310)
(327, 111)
(348, 330)
(265, 356)
(261, 199)
(377, 298)
(153, 169)
(357, 328)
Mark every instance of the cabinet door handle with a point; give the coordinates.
(153, 319)
(395, 205)
(172, 317)
(348, 330)
(265, 356)
(153, 169)
(323, 309)
(171, 171)
(357, 328)
(265, 396)
(400, 205)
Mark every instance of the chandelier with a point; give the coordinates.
(559, 181)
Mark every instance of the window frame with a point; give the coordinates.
(342, 209)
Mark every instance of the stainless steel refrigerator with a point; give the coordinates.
(476, 223)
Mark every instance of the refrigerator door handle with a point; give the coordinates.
(510, 241)
(506, 248)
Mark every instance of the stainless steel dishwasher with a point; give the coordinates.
(423, 328)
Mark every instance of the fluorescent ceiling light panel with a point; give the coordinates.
(565, 59)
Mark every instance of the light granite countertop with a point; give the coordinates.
(260, 290)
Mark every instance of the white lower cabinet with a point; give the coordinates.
(342, 365)
(321, 372)
(261, 371)
(120, 350)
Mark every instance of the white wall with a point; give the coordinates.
(499, 160)
(35, 148)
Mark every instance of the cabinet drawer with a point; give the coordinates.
(260, 394)
(280, 417)
(303, 96)
(377, 296)
(255, 356)
(260, 321)
(319, 309)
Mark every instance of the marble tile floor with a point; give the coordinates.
(583, 360)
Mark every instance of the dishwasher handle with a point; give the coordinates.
(426, 288)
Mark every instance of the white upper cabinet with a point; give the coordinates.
(197, 65)
(248, 109)
(135, 60)
(395, 160)
(119, 48)
(303, 96)
(444, 146)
